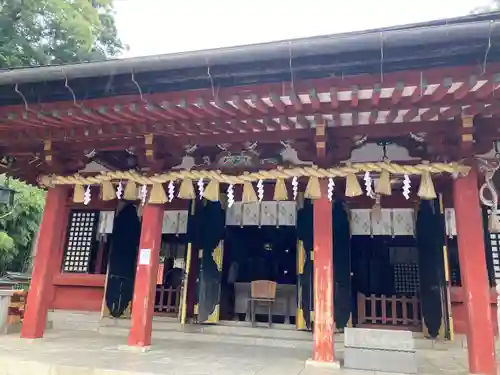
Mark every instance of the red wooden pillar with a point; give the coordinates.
(145, 277)
(323, 350)
(50, 241)
(480, 337)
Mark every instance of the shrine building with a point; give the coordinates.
(349, 179)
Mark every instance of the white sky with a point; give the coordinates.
(164, 26)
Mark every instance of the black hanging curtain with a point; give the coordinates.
(305, 227)
(122, 261)
(341, 264)
(210, 231)
(430, 228)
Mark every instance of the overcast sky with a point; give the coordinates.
(163, 26)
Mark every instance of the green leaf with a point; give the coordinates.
(42, 32)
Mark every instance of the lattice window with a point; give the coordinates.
(495, 250)
(406, 279)
(404, 262)
(80, 241)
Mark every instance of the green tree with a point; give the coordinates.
(493, 6)
(44, 32)
(19, 224)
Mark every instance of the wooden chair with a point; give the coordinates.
(262, 291)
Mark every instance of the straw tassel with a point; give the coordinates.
(313, 190)
(352, 186)
(280, 191)
(78, 193)
(107, 191)
(383, 185)
(157, 194)
(426, 190)
(212, 191)
(186, 190)
(130, 192)
(249, 194)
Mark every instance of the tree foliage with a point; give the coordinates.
(43, 32)
(19, 224)
(493, 6)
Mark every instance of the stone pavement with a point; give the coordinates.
(91, 353)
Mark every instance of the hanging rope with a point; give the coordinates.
(490, 168)
(280, 173)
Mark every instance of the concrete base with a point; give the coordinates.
(329, 365)
(89, 353)
(32, 341)
(399, 362)
(134, 349)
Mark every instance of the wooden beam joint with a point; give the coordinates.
(320, 137)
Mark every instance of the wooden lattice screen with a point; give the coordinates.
(80, 240)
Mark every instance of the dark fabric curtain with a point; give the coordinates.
(122, 260)
(430, 240)
(305, 227)
(210, 231)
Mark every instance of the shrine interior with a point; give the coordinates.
(384, 266)
(258, 253)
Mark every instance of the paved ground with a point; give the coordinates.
(89, 353)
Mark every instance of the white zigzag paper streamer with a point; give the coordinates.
(406, 187)
(87, 196)
(260, 190)
(230, 195)
(119, 191)
(171, 191)
(201, 188)
(331, 188)
(143, 193)
(368, 184)
(295, 187)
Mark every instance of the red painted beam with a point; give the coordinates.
(296, 102)
(377, 90)
(47, 262)
(397, 94)
(145, 277)
(277, 103)
(480, 336)
(324, 325)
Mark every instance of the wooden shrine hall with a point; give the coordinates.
(352, 176)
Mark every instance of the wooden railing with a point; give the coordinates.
(388, 310)
(168, 299)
